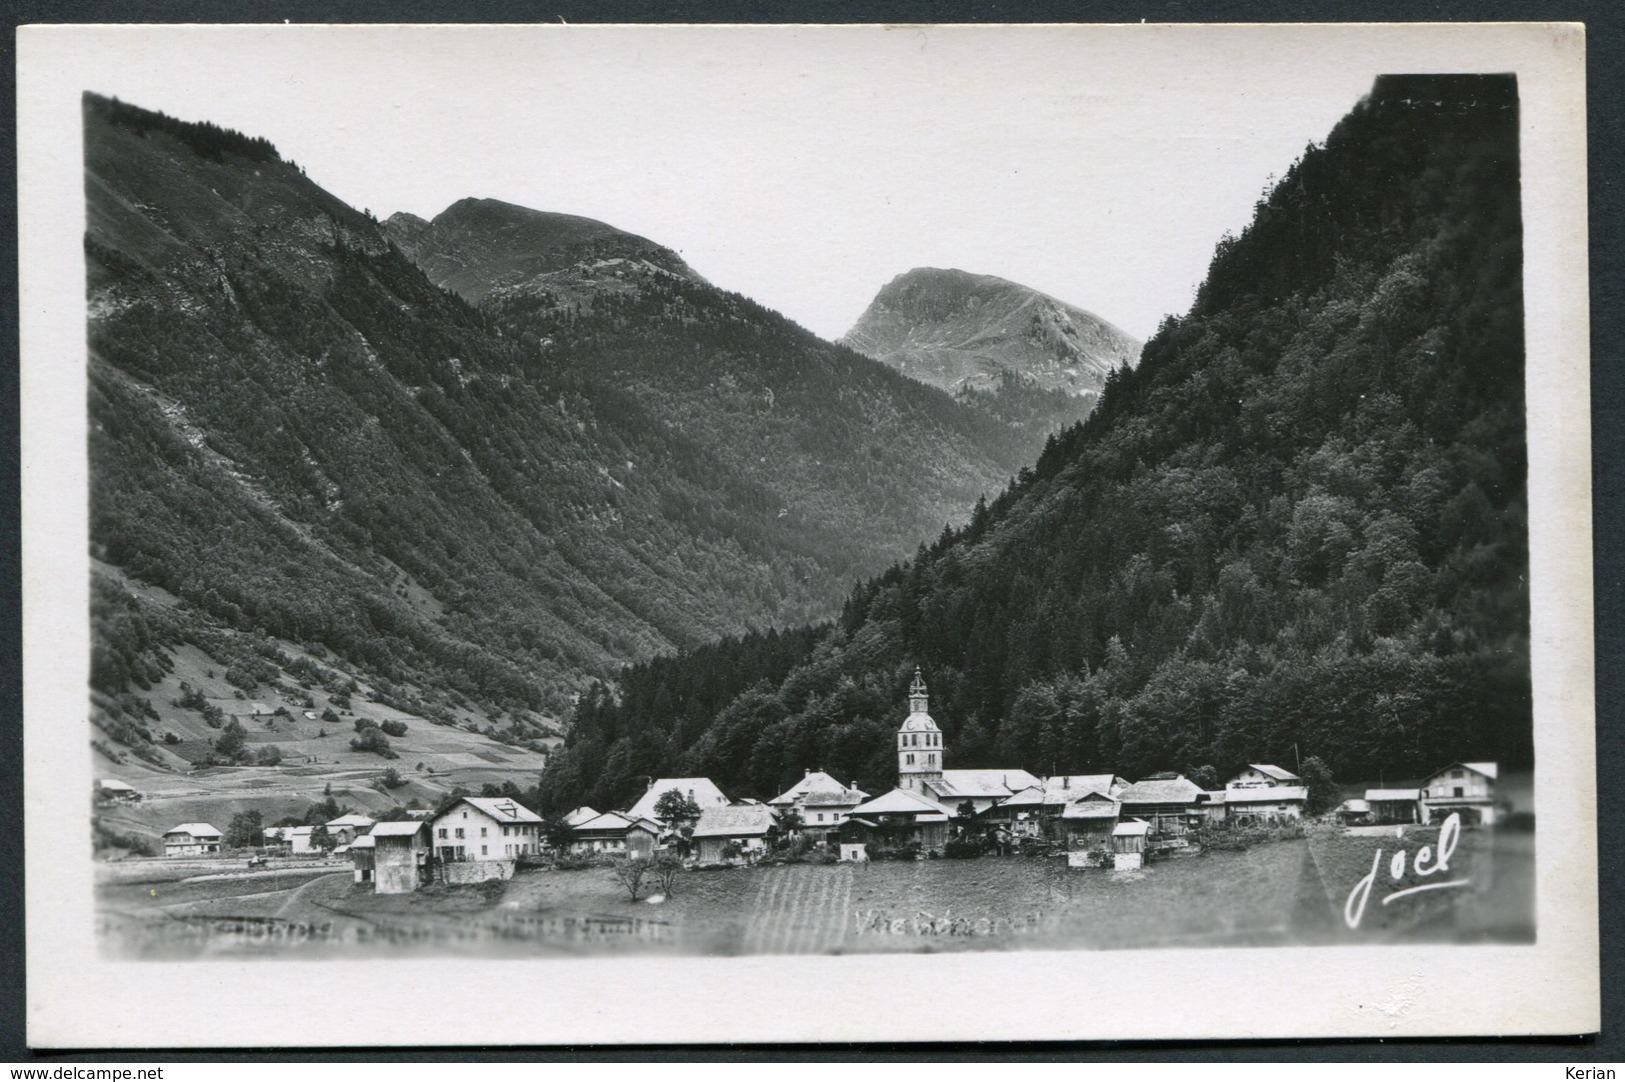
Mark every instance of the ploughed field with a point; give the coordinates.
(1292, 892)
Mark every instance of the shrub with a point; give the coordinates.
(363, 724)
(374, 741)
(962, 848)
(392, 779)
(394, 728)
(269, 755)
(171, 738)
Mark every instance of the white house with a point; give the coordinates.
(822, 802)
(191, 840)
(1263, 775)
(1466, 788)
(485, 828)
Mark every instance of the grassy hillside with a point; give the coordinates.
(1297, 527)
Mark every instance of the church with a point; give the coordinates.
(928, 796)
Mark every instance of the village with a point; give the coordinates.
(1091, 820)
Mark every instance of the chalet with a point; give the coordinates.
(360, 854)
(616, 833)
(1265, 803)
(1167, 804)
(400, 855)
(485, 828)
(702, 791)
(114, 790)
(191, 840)
(1262, 775)
(900, 817)
(1088, 822)
(295, 841)
(745, 825)
(920, 751)
(347, 828)
(1465, 788)
(1394, 805)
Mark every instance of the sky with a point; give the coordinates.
(804, 167)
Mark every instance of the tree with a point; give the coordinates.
(269, 755)
(666, 869)
(1317, 777)
(392, 779)
(674, 806)
(245, 831)
(230, 742)
(558, 833)
(629, 873)
(965, 821)
(787, 822)
(321, 839)
(1205, 776)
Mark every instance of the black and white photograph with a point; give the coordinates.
(1011, 508)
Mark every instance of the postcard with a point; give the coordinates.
(665, 534)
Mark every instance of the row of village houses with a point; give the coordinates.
(482, 837)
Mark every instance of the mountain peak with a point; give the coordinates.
(479, 247)
(963, 331)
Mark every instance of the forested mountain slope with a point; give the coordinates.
(1297, 527)
(294, 431)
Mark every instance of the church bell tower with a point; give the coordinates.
(919, 743)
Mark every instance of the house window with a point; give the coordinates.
(482, 832)
(442, 832)
(482, 850)
(820, 817)
(911, 759)
(459, 832)
(1458, 791)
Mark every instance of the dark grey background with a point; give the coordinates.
(1606, 115)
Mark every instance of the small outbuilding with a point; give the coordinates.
(117, 791)
(361, 857)
(400, 855)
(1130, 837)
(1389, 806)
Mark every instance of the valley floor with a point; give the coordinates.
(1278, 894)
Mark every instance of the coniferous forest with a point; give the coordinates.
(1298, 527)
